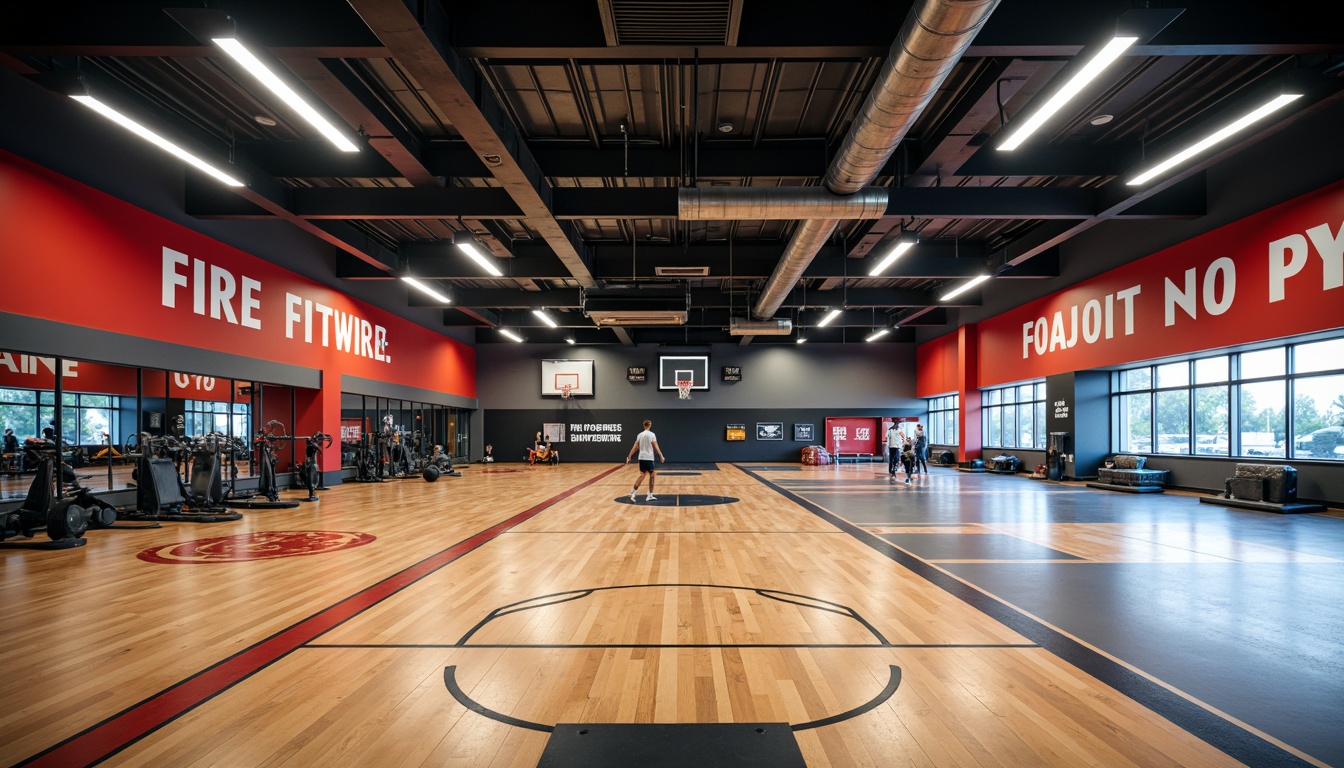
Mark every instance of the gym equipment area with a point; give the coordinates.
(521, 383)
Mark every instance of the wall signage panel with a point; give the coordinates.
(176, 285)
(1277, 273)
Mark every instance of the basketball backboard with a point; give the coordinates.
(674, 368)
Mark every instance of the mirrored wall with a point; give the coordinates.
(421, 425)
(108, 415)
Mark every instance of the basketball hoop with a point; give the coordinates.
(564, 391)
(684, 389)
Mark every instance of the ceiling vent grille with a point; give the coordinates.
(681, 271)
(671, 22)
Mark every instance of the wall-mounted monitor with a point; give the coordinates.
(692, 368)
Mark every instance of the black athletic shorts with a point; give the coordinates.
(646, 465)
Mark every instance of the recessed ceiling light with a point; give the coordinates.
(1101, 119)
(264, 120)
(725, 127)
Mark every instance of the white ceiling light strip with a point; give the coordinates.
(1104, 58)
(545, 318)
(425, 289)
(506, 333)
(1222, 134)
(895, 254)
(825, 321)
(473, 249)
(879, 333)
(966, 286)
(156, 139)
(266, 77)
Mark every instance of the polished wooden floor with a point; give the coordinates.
(759, 610)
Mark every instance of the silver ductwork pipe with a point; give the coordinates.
(775, 203)
(932, 40)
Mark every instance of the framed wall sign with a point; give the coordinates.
(804, 433)
(735, 432)
(732, 373)
(636, 373)
(770, 430)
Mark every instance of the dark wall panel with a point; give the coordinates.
(684, 434)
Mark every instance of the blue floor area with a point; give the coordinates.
(1242, 627)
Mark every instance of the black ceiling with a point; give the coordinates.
(559, 131)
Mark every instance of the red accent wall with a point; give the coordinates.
(175, 285)
(1272, 274)
(102, 246)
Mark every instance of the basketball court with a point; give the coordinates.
(508, 618)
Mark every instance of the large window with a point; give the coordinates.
(943, 420)
(1014, 417)
(1237, 404)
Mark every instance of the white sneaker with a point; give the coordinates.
(632, 496)
(650, 497)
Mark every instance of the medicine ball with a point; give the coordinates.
(431, 474)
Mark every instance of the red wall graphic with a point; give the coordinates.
(1277, 273)
(176, 285)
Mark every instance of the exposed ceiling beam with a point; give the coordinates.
(412, 203)
(420, 46)
(700, 298)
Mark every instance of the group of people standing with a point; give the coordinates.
(912, 455)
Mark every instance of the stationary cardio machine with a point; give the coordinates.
(268, 490)
(47, 507)
(311, 474)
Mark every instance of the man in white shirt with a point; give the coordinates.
(646, 443)
(894, 440)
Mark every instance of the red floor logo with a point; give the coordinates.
(263, 545)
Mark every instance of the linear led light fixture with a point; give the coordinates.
(825, 321)
(1104, 58)
(425, 289)
(155, 139)
(801, 340)
(877, 334)
(905, 243)
(545, 318)
(1221, 134)
(570, 340)
(468, 245)
(266, 77)
(966, 286)
(506, 333)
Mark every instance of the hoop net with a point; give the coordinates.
(564, 391)
(684, 389)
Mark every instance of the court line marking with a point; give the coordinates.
(123, 729)
(1245, 743)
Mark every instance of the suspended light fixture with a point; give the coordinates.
(966, 286)
(1094, 67)
(506, 333)
(466, 243)
(570, 340)
(153, 138)
(425, 289)
(905, 242)
(877, 334)
(255, 67)
(1222, 134)
(545, 318)
(825, 321)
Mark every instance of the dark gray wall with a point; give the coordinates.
(685, 433)
(58, 133)
(879, 377)
(785, 383)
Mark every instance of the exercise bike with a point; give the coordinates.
(311, 474)
(161, 495)
(47, 508)
(366, 461)
(268, 490)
